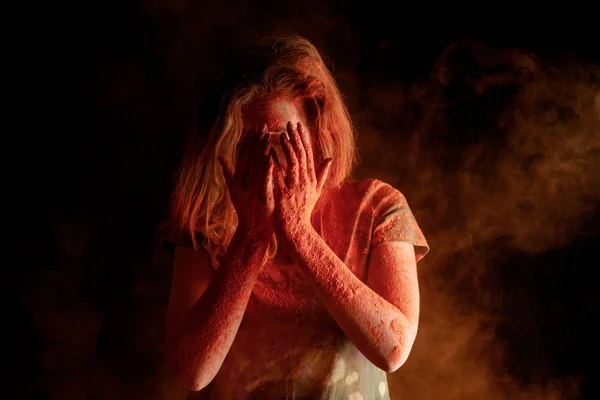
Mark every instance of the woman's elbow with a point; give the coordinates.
(397, 358)
(193, 380)
(196, 384)
(400, 352)
(191, 375)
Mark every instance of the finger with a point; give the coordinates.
(268, 179)
(262, 140)
(227, 169)
(273, 154)
(298, 148)
(310, 161)
(292, 174)
(323, 173)
(278, 182)
(263, 162)
(265, 143)
(262, 146)
(275, 164)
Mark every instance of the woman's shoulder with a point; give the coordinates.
(369, 187)
(352, 195)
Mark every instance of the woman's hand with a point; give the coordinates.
(251, 184)
(297, 193)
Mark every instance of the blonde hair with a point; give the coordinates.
(288, 66)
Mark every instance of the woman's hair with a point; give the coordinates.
(287, 66)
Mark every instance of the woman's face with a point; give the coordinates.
(275, 113)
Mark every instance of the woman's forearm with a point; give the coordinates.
(213, 322)
(377, 328)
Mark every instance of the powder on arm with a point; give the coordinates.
(213, 322)
(359, 310)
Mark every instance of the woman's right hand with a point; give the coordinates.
(250, 184)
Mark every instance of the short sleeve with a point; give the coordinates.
(394, 221)
(169, 238)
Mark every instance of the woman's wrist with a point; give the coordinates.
(246, 250)
(295, 233)
(257, 234)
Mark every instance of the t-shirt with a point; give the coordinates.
(288, 346)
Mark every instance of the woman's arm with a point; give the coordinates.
(204, 320)
(201, 330)
(380, 318)
(382, 325)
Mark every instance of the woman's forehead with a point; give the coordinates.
(274, 112)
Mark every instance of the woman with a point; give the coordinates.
(289, 279)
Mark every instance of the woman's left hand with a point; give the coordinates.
(297, 193)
